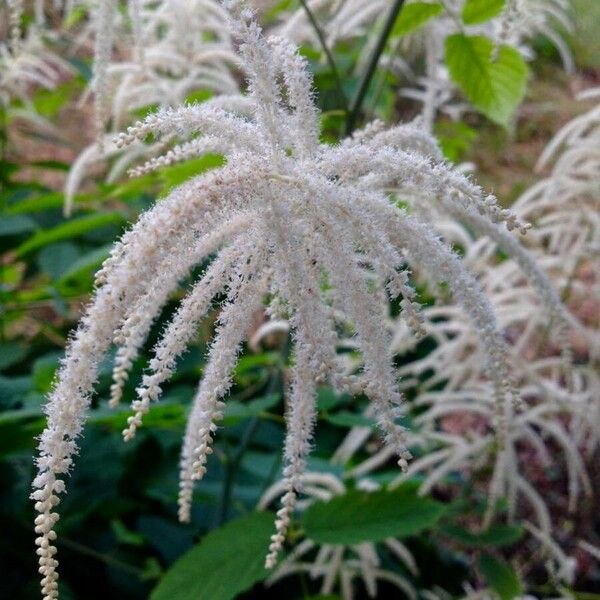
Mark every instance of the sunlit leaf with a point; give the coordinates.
(494, 84)
(415, 15)
(479, 11)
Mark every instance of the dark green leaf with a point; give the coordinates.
(496, 535)
(500, 577)
(346, 418)
(227, 562)
(370, 516)
(236, 411)
(68, 230)
(57, 259)
(16, 225)
(11, 353)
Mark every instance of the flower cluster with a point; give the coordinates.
(312, 230)
(178, 48)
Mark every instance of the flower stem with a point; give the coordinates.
(365, 82)
(329, 56)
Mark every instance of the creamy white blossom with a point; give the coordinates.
(284, 214)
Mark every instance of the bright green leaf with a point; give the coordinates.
(228, 561)
(412, 16)
(70, 229)
(479, 11)
(360, 516)
(495, 87)
(500, 577)
(174, 175)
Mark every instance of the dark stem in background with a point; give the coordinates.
(3, 200)
(365, 82)
(330, 59)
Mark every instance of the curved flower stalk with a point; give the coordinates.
(180, 47)
(558, 422)
(565, 205)
(26, 63)
(284, 213)
(340, 565)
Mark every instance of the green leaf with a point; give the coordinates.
(43, 372)
(236, 411)
(227, 562)
(11, 353)
(412, 16)
(16, 225)
(86, 264)
(176, 174)
(360, 516)
(345, 418)
(479, 11)
(500, 577)
(495, 87)
(328, 398)
(68, 230)
(496, 535)
(56, 259)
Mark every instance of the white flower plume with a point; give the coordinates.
(284, 214)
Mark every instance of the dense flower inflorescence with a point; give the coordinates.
(284, 214)
(163, 53)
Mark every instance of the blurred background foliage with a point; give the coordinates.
(119, 534)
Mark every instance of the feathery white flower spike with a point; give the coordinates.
(283, 212)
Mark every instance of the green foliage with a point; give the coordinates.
(370, 516)
(227, 561)
(496, 535)
(67, 230)
(415, 15)
(500, 577)
(479, 11)
(493, 84)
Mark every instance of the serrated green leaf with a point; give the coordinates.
(500, 577)
(496, 535)
(228, 561)
(479, 11)
(495, 87)
(359, 516)
(68, 230)
(415, 15)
